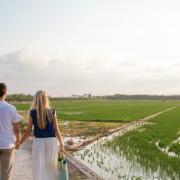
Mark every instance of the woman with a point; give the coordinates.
(45, 148)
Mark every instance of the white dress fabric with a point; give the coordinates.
(44, 158)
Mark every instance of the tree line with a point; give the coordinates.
(29, 97)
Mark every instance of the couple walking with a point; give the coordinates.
(45, 147)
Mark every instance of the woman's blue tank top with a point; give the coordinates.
(42, 133)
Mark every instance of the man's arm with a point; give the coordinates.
(15, 122)
(17, 134)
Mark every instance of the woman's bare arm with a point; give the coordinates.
(28, 131)
(57, 132)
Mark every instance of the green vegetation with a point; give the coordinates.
(20, 97)
(22, 106)
(105, 110)
(175, 148)
(142, 147)
(112, 110)
(28, 97)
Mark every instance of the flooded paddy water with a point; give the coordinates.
(114, 164)
(109, 164)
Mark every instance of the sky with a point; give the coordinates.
(90, 46)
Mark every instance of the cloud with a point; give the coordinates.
(25, 56)
(128, 64)
(27, 70)
(156, 70)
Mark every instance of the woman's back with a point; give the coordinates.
(48, 131)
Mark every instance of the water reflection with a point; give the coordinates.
(113, 160)
(151, 166)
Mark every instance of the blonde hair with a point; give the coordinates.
(41, 104)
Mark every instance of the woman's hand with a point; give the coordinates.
(61, 151)
(62, 148)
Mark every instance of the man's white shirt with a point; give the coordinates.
(8, 116)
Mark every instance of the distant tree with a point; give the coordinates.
(19, 97)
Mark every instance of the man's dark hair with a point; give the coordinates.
(3, 89)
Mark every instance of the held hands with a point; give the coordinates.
(17, 145)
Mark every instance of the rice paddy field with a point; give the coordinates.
(149, 151)
(105, 110)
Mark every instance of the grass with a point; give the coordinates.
(140, 146)
(175, 147)
(105, 110)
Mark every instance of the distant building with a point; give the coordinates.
(75, 96)
(88, 95)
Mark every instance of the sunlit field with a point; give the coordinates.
(105, 110)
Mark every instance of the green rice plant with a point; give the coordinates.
(175, 148)
(105, 110)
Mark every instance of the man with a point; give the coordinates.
(9, 134)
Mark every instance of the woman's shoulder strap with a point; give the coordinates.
(31, 112)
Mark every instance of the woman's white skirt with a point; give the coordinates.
(44, 158)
